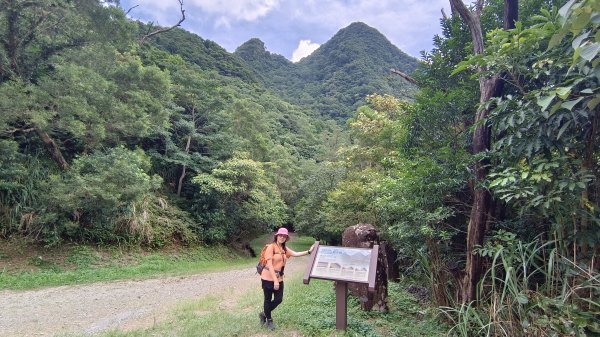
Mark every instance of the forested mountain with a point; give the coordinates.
(335, 79)
(274, 70)
(207, 54)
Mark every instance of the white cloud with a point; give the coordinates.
(242, 10)
(409, 24)
(305, 48)
(225, 13)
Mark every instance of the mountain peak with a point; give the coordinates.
(358, 25)
(360, 41)
(361, 34)
(251, 48)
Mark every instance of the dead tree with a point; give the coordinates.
(404, 76)
(162, 30)
(489, 86)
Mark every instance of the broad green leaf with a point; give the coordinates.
(593, 103)
(581, 21)
(570, 104)
(563, 129)
(460, 67)
(545, 101)
(589, 51)
(556, 39)
(577, 41)
(563, 92)
(576, 55)
(565, 9)
(522, 298)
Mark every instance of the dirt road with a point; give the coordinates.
(97, 307)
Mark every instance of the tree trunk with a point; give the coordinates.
(187, 150)
(53, 149)
(482, 206)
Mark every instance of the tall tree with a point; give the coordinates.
(34, 33)
(489, 86)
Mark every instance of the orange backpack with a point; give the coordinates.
(262, 261)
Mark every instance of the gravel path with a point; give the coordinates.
(127, 305)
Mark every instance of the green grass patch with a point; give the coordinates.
(311, 310)
(86, 265)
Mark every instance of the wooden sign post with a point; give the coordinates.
(343, 265)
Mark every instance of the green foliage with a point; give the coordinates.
(336, 78)
(398, 180)
(13, 190)
(547, 132)
(309, 217)
(239, 200)
(84, 86)
(94, 200)
(37, 31)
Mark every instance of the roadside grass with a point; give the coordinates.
(84, 264)
(307, 311)
(25, 266)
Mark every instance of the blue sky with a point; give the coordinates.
(295, 28)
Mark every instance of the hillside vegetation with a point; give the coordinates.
(335, 79)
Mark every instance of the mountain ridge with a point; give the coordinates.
(338, 75)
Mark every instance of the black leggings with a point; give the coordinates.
(272, 297)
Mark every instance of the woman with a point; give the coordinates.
(276, 255)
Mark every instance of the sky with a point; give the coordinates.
(295, 28)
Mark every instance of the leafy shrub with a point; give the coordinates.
(156, 222)
(20, 176)
(240, 199)
(87, 202)
(530, 289)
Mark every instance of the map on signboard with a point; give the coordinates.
(342, 263)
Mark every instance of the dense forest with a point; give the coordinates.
(483, 176)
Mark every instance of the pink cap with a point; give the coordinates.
(282, 231)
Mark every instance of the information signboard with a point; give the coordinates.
(342, 263)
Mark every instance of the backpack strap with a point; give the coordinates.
(282, 252)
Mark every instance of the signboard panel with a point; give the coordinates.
(342, 263)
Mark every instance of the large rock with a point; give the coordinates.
(365, 236)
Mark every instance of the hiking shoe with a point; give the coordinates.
(270, 324)
(263, 318)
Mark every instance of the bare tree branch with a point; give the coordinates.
(130, 9)
(472, 20)
(162, 30)
(14, 130)
(403, 75)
